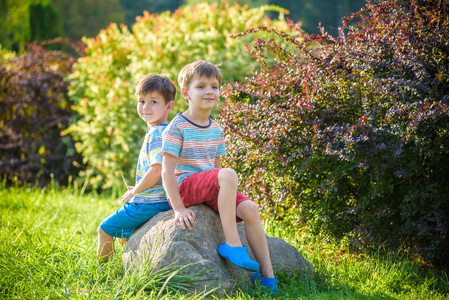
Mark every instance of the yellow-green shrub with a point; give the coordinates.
(108, 131)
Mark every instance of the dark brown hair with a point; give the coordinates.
(158, 83)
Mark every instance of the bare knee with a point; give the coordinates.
(227, 176)
(101, 232)
(103, 237)
(248, 211)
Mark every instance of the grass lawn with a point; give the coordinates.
(48, 251)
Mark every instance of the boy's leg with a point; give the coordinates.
(105, 245)
(122, 241)
(255, 234)
(217, 188)
(123, 222)
(227, 199)
(228, 182)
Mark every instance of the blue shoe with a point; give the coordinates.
(269, 283)
(238, 256)
(256, 276)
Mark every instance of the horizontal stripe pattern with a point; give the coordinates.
(196, 147)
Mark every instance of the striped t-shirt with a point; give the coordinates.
(195, 146)
(150, 154)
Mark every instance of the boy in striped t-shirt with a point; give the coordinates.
(155, 99)
(192, 173)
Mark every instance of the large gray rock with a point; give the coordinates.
(159, 243)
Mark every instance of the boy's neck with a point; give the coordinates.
(197, 117)
(152, 125)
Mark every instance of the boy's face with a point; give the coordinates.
(203, 93)
(152, 108)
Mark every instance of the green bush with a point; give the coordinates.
(108, 131)
(349, 135)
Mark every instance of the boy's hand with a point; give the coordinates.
(128, 195)
(185, 218)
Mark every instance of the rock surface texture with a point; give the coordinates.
(159, 243)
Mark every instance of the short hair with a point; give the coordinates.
(198, 69)
(158, 83)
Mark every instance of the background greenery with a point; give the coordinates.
(45, 22)
(88, 17)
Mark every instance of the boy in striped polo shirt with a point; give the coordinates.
(155, 99)
(192, 173)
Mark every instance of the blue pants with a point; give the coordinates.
(123, 222)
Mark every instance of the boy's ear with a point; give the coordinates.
(184, 93)
(170, 105)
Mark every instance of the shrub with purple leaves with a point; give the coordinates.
(348, 135)
(34, 110)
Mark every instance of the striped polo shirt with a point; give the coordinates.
(150, 154)
(195, 146)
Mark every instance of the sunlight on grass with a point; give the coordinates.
(48, 251)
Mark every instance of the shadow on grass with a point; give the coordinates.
(299, 285)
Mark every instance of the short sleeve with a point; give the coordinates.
(221, 150)
(155, 147)
(172, 140)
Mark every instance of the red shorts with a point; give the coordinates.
(203, 188)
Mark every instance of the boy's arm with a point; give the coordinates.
(183, 216)
(217, 163)
(149, 179)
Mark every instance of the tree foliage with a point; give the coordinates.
(88, 17)
(349, 135)
(34, 109)
(26, 21)
(136, 8)
(12, 16)
(250, 3)
(109, 131)
(311, 13)
(44, 23)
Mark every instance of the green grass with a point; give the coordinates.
(48, 251)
